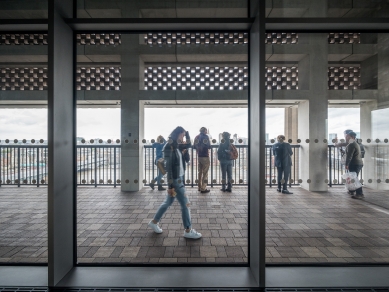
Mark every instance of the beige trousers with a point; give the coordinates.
(203, 166)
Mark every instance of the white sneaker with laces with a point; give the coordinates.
(192, 234)
(155, 227)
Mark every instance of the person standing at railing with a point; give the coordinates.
(223, 154)
(340, 145)
(282, 152)
(184, 146)
(353, 161)
(158, 145)
(202, 145)
(175, 174)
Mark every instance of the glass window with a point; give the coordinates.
(161, 82)
(23, 148)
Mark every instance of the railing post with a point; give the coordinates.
(192, 167)
(330, 164)
(153, 160)
(114, 165)
(37, 162)
(270, 167)
(211, 167)
(18, 167)
(95, 167)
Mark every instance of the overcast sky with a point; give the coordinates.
(105, 123)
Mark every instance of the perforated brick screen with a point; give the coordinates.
(344, 78)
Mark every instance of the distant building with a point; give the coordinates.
(332, 136)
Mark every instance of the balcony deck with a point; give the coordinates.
(112, 226)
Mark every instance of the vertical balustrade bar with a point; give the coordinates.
(38, 164)
(114, 165)
(192, 162)
(18, 167)
(330, 165)
(211, 168)
(95, 170)
(270, 169)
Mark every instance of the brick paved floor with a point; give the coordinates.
(112, 226)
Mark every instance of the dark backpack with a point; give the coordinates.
(233, 152)
(362, 149)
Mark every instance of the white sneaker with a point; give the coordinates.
(155, 227)
(193, 234)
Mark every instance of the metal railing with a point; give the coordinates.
(28, 165)
(98, 165)
(239, 168)
(23, 164)
(101, 165)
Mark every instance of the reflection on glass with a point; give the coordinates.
(162, 9)
(331, 8)
(24, 9)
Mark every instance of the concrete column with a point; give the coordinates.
(312, 117)
(383, 70)
(132, 115)
(375, 156)
(369, 168)
(291, 123)
(61, 143)
(291, 132)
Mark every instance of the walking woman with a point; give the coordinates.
(175, 164)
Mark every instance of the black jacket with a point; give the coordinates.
(221, 151)
(282, 153)
(172, 159)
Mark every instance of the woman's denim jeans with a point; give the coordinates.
(226, 168)
(159, 177)
(182, 198)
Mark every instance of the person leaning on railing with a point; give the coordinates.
(158, 145)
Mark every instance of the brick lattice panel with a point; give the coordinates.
(23, 39)
(105, 39)
(344, 78)
(100, 78)
(278, 38)
(212, 38)
(103, 78)
(41, 39)
(23, 78)
(278, 78)
(178, 78)
(196, 78)
(344, 38)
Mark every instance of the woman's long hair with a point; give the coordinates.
(177, 131)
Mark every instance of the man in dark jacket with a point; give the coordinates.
(202, 145)
(282, 152)
(354, 161)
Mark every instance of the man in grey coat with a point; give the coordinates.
(282, 152)
(354, 161)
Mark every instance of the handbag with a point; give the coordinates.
(351, 181)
